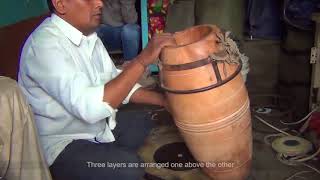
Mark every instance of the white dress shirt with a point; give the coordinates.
(63, 73)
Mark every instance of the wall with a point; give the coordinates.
(18, 18)
(13, 11)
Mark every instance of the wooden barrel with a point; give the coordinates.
(209, 102)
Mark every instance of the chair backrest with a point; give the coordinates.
(19, 137)
(11, 43)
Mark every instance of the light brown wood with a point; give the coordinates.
(215, 124)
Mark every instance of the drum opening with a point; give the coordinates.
(192, 35)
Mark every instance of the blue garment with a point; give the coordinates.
(264, 19)
(298, 13)
(125, 38)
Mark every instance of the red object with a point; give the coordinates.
(314, 124)
(157, 24)
(157, 10)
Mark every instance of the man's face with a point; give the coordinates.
(85, 15)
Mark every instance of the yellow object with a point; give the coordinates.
(291, 146)
(21, 155)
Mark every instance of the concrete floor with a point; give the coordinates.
(265, 164)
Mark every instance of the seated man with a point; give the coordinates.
(74, 90)
(119, 30)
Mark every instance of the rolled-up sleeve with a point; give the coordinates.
(134, 89)
(57, 74)
(116, 72)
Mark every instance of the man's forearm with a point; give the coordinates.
(147, 97)
(117, 90)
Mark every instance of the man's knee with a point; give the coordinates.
(131, 30)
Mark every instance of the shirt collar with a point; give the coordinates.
(72, 33)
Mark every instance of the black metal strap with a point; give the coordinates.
(186, 66)
(220, 82)
(216, 71)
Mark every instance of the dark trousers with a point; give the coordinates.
(85, 160)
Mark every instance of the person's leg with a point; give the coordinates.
(110, 36)
(130, 36)
(84, 160)
(132, 128)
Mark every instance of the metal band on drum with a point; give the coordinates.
(196, 64)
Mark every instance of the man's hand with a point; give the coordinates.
(119, 87)
(153, 49)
